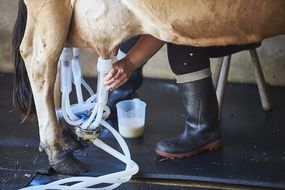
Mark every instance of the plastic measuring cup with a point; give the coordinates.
(131, 117)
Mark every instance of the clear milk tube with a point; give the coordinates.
(103, 68)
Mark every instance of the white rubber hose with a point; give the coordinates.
(85, 183)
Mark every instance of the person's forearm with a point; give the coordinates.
(144, 49)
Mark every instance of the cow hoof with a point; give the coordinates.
(69, 165)
(72, 142)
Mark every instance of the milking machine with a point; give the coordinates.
(88, 118)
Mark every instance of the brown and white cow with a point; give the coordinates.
(44, 27)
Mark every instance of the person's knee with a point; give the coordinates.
(187, 59)
(188, 63)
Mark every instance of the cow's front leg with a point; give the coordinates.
(46, 30)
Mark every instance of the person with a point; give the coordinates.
(191, 65)
(134, 81)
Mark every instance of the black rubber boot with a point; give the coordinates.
(202, 131)
(126, 91)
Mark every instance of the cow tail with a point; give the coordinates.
(22, 93)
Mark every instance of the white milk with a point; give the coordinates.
(131, 127)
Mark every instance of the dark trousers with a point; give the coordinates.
(189, 59)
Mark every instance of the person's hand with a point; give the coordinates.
(144, 49)
(119, 74)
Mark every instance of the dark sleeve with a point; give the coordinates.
(127, 45)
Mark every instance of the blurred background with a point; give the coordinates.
(271, 54)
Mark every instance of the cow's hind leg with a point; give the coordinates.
(46, 30)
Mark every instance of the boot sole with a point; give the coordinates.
(208, 147)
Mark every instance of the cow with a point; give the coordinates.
(44, 27)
